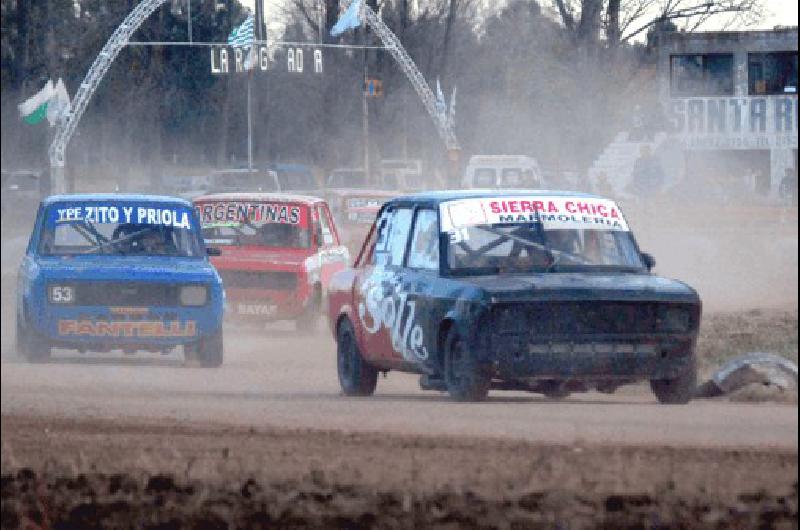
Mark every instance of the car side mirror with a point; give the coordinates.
(213, 251)
(649, 261)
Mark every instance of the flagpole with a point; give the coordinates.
(249, 121)
(365, 109)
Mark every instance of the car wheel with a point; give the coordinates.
(208, 351)
(30, 345)
(677, 391)
(356, 376)
(466, 378)
(308, 321)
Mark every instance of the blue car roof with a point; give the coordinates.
(450, 195)
(124, 197)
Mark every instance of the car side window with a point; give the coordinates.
(325, 227)
(393, 229)
(424, 251)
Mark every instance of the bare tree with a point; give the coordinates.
(623, 20)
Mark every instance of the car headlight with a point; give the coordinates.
(193, 295)
(674, 319)
(61, 294)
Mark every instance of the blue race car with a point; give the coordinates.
(118, 272)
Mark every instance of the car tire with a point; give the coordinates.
(466, 378)
(30, 345)
(208, 351)
(309, 319)
(679, 390)
(356, 376)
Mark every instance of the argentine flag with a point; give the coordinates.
(243, 35)
(349, 20)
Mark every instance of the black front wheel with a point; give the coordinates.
(356, 376)
(30, 345)
(208, 351)
(309, 319)
(466, 378)
(679, 390)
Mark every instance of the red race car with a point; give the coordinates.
(355, 211)
(278, 253)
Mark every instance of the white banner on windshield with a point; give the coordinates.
(555, 213)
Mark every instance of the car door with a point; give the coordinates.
(380, 303)
(423, 310)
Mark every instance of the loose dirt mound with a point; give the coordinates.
(88, 501)
(67, 474)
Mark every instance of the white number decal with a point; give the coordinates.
(61, 295)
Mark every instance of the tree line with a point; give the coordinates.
(553, 79)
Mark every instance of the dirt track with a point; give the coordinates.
(273, 414)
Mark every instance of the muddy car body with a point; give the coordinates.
(277, 254)
(520, 290)
(118, 272)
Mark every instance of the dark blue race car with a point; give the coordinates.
(127, 272)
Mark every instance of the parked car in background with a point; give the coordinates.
(502, 171)
(405, 175)
(184, 186)
(118, 272)
(544, 292)
(277, 253)
(243, 180)
(354, 201)
(295, 178)
(20, 194)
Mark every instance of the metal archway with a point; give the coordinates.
(69, 122)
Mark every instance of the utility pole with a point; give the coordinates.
(365, 107)
(258, 34)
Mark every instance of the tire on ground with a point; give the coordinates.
(29, 344)
(466, 378)
(356, 376)
(207, 351)
(308, 321)
(677, 391)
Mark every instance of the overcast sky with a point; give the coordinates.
(780, 13)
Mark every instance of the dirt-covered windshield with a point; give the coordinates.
(120, 229)
(527, 247)
(260, 224)
(518, 234)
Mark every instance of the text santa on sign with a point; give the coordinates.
(242, 54)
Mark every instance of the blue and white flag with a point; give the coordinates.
(441, 104)
(243, 35)
(349, 20)
(451, 113)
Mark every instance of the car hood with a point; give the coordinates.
(583, 286)
(127, 268)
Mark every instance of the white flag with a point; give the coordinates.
(59, 104)
(34, 108)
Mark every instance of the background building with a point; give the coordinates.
(730, 107)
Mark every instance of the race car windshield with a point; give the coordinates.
(119, 229)
(528, 247)
(537, 233)
(273, 235)
(258, 224)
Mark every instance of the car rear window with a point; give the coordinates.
(119, 228)
(255, 223)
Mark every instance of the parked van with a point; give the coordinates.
(502, 171)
